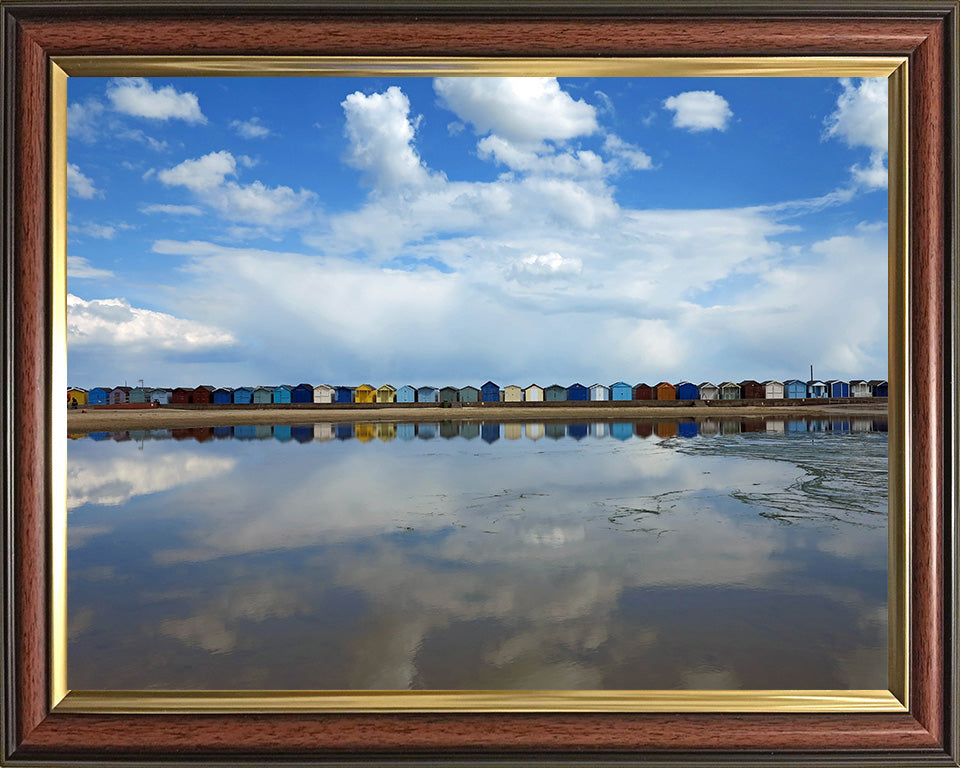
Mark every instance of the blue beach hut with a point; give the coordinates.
(263, 395)
(490, 392)
(223, 396)
(795, 389)
(555, 393)
(877, 386)
(302, 393)
(578, 392)
(406, 394)
(281, 394)
(243, 395)
(343, 394)
(837, 388)
(98, 396)
(621, 391)
(469, 395)
(816, 389)
(427, 394)
(687, 391)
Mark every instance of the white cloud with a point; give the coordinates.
(634, 157)
(380, 136)
(203, 174)
(518, 109)
(99, 231)
(81, 268)
(114, 323)
(83, 119)
(80, 184)
(255, 203)
(176, 210)
(543, 161)
(699, 111)
(860, 120)
(136, 96)
(250, 129)
(545, 266)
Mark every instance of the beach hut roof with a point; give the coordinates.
(619, 384)
(859, 381)
(771, 381)
(664, 384)
(875, 382)
(703, 384)
(366, 386)
(76, 389)
(387, 386)
(534, 385)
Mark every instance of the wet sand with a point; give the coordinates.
(168, 417)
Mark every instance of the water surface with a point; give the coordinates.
(734, 554)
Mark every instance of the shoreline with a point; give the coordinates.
(168, 417)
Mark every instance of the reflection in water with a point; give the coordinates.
(730, 553)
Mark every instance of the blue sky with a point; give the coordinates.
(443, 231)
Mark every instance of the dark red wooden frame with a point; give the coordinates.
(926, 32)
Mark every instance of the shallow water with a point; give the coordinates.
(730, 554)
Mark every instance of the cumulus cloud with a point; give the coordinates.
(545, 266)
(699, 111)
(380, 135)
(860, 120)
(136, 96)
(115, 323)
(202, 174)
(634, 157)
(250, 129)
(83, 119)
(525, 110)
(99, 231)
(81, 268)
(253, 203)
(79, 183)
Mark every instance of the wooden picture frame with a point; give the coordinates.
(926, 33)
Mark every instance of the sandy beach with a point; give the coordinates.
(168, 417)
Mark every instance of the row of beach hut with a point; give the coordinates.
(488, 392)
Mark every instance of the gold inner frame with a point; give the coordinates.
(62, 699)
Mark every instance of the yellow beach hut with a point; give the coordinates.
(365, 393)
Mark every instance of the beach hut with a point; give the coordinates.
(666, 391)
(181, 396)
(449, 395)
(323, 393)
(427, 394)
(644, 392)
(139, 395)
(860, 388)
(599, 392)
(621, 391)
(816, 389)
(302, 393)
(161, 395)
(223, 396)
(243, 395)
(752, 390)
(469, 395)
(708, 391)
(533, 394)
(77, 395)
(555, 393)
(343, 394)
(98, 396)
(687, 391)
(203, 394)
(365, 393)
(281, 393)
(837, 388)
(729, 390)
(577, 393)
(119, 395)
(795, 389)
(406, 394)
(773, 390)
(512, 393)
(386, 394)
(490, 392)
(262, 395)
(877, 386)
